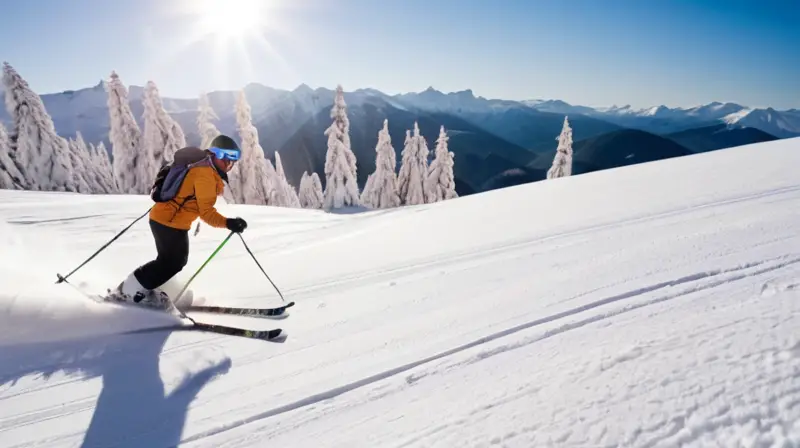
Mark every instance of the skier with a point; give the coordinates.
(170, 220)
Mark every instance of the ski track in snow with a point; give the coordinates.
(662, 323)
(332, 393)
(423, 264)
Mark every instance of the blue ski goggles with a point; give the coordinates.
(226, 154)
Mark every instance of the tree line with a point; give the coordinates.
(34, 157)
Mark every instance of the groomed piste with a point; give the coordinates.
(652, 305)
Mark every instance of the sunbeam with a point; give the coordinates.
(236, 33)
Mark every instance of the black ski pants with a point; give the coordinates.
(173, 254)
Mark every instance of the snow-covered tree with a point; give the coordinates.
(162, 134)
(11, 177)
(381, 188)
(134, 168)
(42, 154)
(79, 158)
(253, 178)
(441, 183)
(414, 169)
(562, 163)
(205, 114)
(102, 168)
(341, 185)
(310, 195)
(287, 192)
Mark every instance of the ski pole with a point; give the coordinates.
(64, 278)
(259, 266)
(185, 287)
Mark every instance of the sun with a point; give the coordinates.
(232, 19)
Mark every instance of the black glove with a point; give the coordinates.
(236, 224)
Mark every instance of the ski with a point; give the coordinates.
(249, 312)
(264, 335)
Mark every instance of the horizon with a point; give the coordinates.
(674, 53)
(346, 91)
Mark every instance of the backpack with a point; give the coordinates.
(171, 175)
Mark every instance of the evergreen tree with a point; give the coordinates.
(103, 169)
(562, 162)
(42, 154)
(380, 190)
(288, 194)
(205, 114)
(79, 158)
(253, 178)
(441, 183)
(310, 195)
(133, 167)
(162, 134)
(341, 185)
(414, 169)
(11, 177)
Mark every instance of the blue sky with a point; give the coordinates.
(591, 52)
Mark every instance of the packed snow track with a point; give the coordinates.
(656, 305)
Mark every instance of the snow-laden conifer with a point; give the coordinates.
(162, 134)
(341, 185)
(208, 131)
(81, 163)
(310, 194)
(42, 154)
(287, 192)
(103, 169)
(11, 177)
(133, 167)
(414, 169)
(441, 183)
(380, 190)
(253, 178)
(562, 162)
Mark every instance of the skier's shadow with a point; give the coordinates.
(132, 410)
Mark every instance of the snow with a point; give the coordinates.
(650, 305)
(782, 124)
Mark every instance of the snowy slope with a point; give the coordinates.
(653, 305)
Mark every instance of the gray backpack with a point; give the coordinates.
(170, 177)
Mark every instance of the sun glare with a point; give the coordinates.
(232, 35)
(232, 19)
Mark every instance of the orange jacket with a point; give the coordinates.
(205, 184)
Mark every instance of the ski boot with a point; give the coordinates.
(132, 293)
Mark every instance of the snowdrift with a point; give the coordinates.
(651, 305)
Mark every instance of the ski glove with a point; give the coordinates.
(236, 224)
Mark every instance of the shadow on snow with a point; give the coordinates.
(132, 409)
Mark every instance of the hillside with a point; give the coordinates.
(607, 151)
(622, 148)
(535, 130)
(642, 306)
(720, 136)
(306, 150)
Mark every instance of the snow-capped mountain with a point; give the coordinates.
(711, 111)
(433, 100)
(781, 124)
(86, 110)
(280, 113)
(558, 107)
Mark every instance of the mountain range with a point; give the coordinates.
(496, 142)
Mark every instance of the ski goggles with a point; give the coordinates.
(226, 154)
